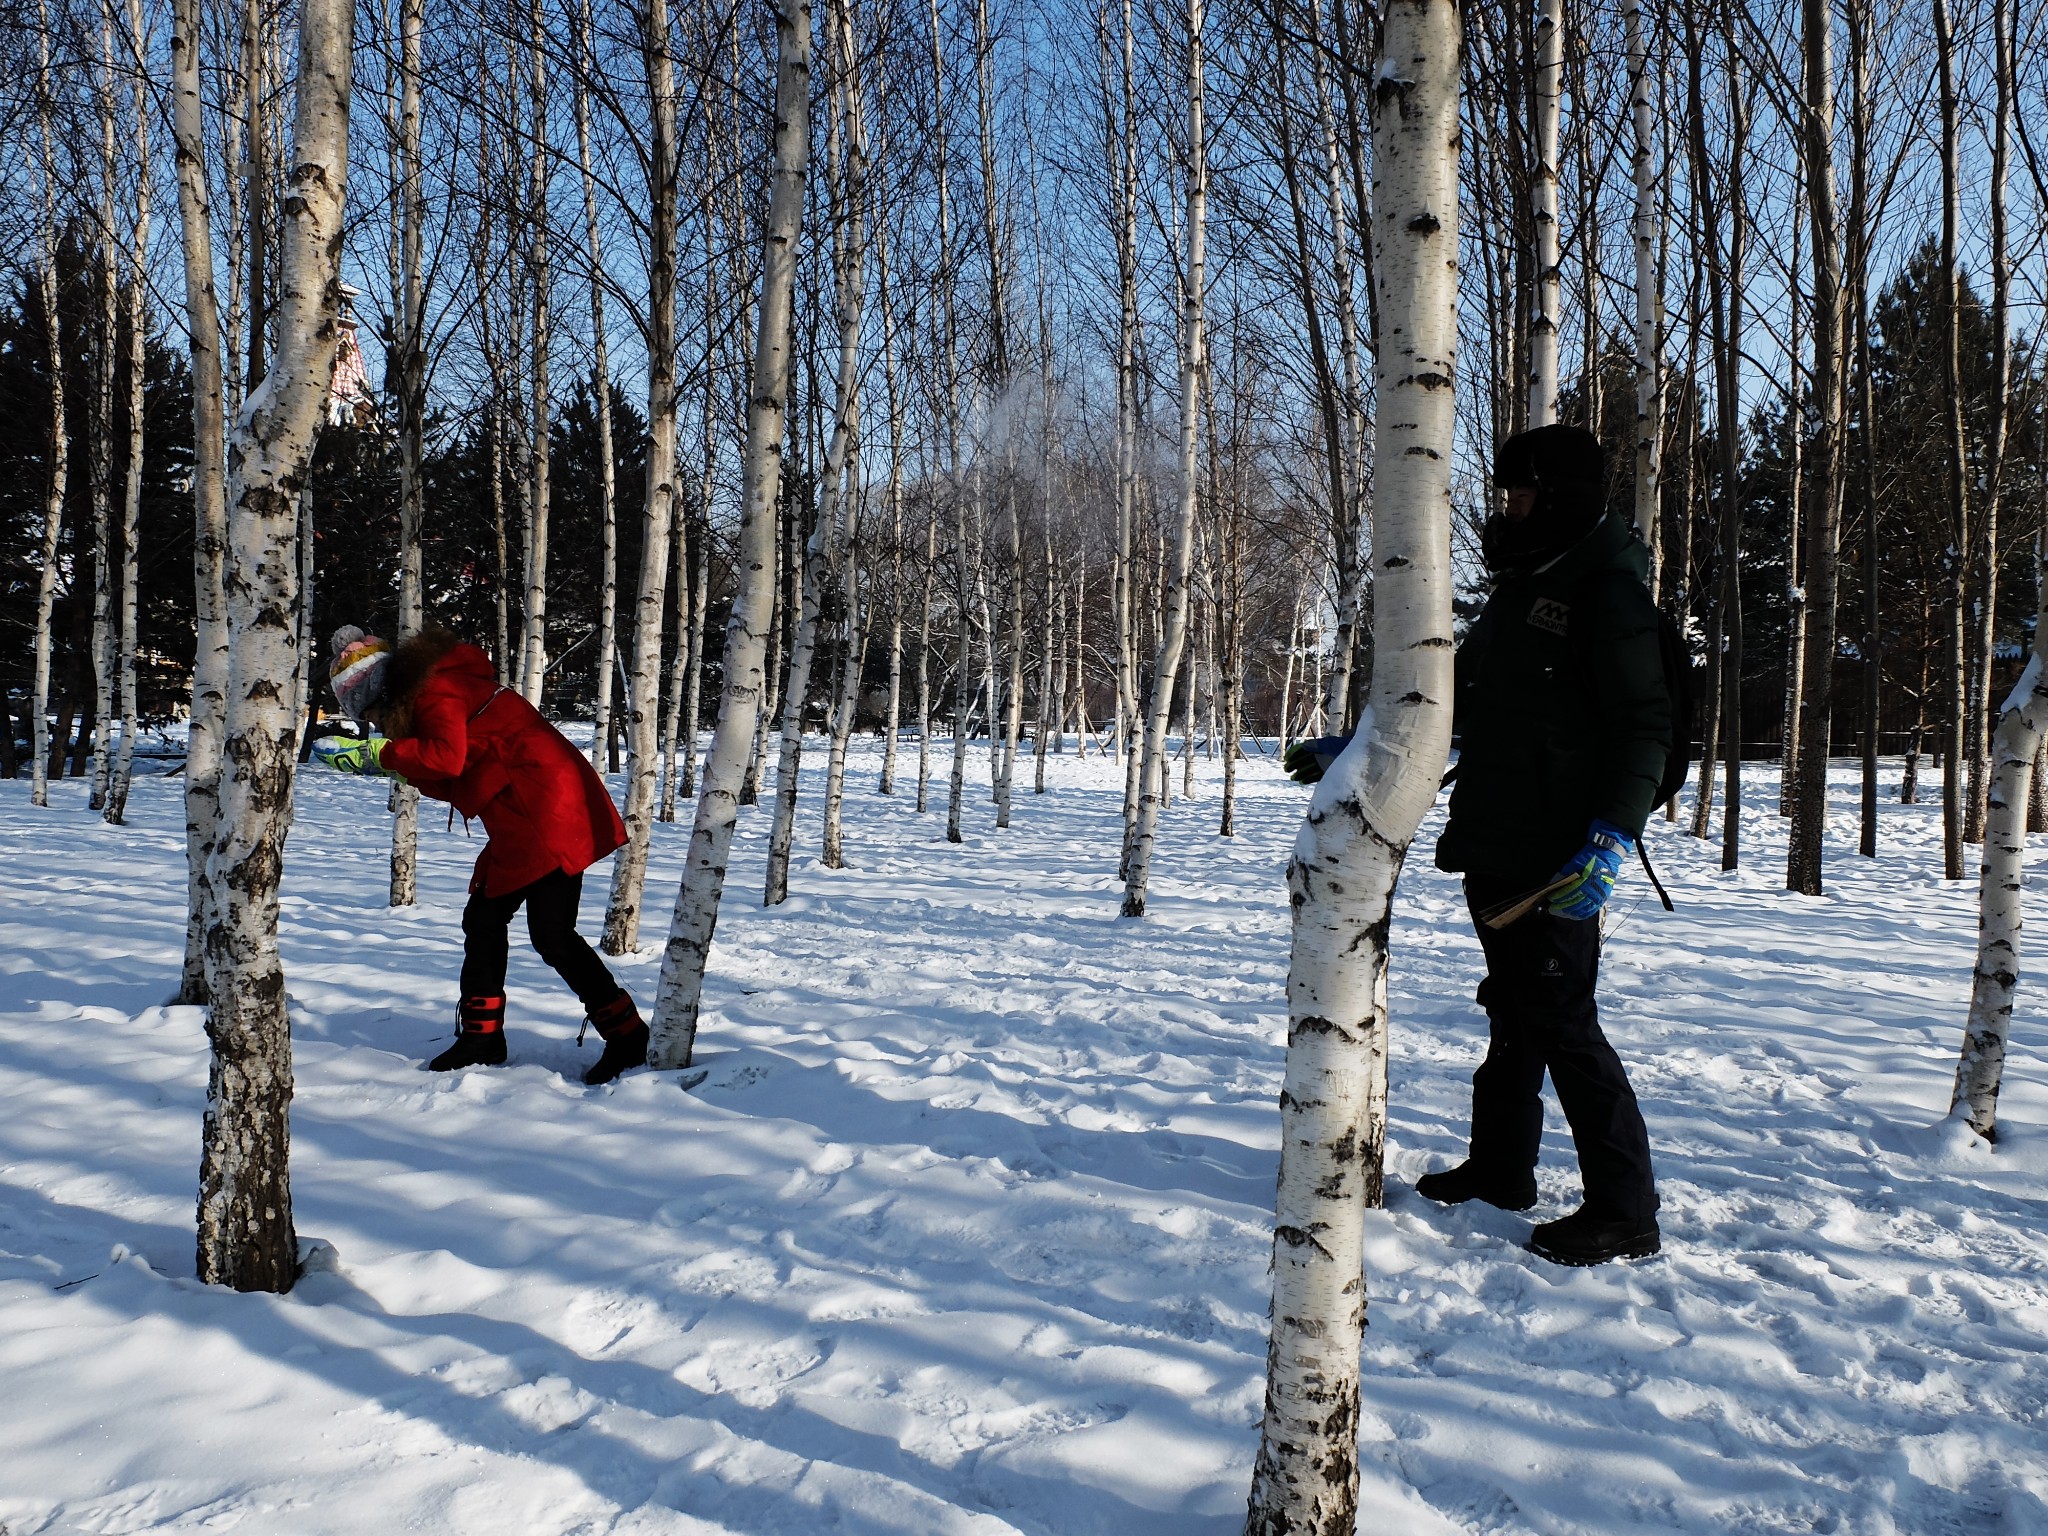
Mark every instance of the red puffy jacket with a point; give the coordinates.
(488, 753)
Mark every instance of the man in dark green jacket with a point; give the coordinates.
(1563, 723)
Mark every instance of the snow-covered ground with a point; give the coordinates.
(961, 1222)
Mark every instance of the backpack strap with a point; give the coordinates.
(1643, 853)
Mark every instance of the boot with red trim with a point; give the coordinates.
(625, 1039)
(481, 1041)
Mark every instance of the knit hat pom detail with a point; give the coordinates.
(357, 671)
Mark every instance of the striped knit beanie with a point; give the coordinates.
(357, 671)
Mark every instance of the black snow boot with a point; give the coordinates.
(625, 1039)
(481, 1042)
(1472, 1181)
(1586, 1237)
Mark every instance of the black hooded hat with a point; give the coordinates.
(1568, 469)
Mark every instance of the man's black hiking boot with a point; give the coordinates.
(1581, 1239)
(1469, 1181)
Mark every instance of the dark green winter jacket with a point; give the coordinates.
(1562, 714)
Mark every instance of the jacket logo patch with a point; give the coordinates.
(1551, 615)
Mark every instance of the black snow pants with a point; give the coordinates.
(1541, 972)
(550, 903)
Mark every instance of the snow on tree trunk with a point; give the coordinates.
(60, 438)
(1365, 812)
(673, 1028)
(245, 1234)
(209, 508)
(643, 693)
(1173, 639)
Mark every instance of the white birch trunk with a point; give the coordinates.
(846, 175)
(1649, 364)
(678, 672)
(245, 1217)
(1544, 323)
(2023, 726)
(60, 437)
(412, 416)
(1365, 812)
(1995, 980)
(893, 715)
(643, 697)
(1173, 637)
(607, 473)
(533, 666)
(673, 1028)
(963, 683)
(102, 459)
(924, 664)
(852, 660)
(131, 491)
(209, 506)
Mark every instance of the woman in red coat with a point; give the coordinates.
(450, 731)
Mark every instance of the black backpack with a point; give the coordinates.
(1679, 683)
(1676, 655)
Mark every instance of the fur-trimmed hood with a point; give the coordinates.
(411, 662)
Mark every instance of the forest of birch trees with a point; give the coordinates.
(1008, 379)
(1080, 380)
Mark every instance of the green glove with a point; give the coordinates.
(350, 754)
(1307, 761)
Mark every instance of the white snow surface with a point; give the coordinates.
(960, 1223)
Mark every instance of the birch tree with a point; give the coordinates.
(1549, 294)
(1956, 440)
(1348, 856)
(846, 174)
(136, 260)
(600, 372)
(673, 1029)
(410, 361)
(2024, 721)
(1173, 639)
(1824, 515)
(643, 696)
(245, 1234)
(1645, 231)
(58, 478)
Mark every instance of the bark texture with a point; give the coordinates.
(1349, 853)
(674, 1025)
(245, 1208)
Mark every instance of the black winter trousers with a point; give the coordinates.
(1541, 972)
(550, 903)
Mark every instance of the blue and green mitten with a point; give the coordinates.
(350, 754)
(1590, 873)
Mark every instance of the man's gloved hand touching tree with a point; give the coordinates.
(1590, 873)
(1307, 761)
(350, 754)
